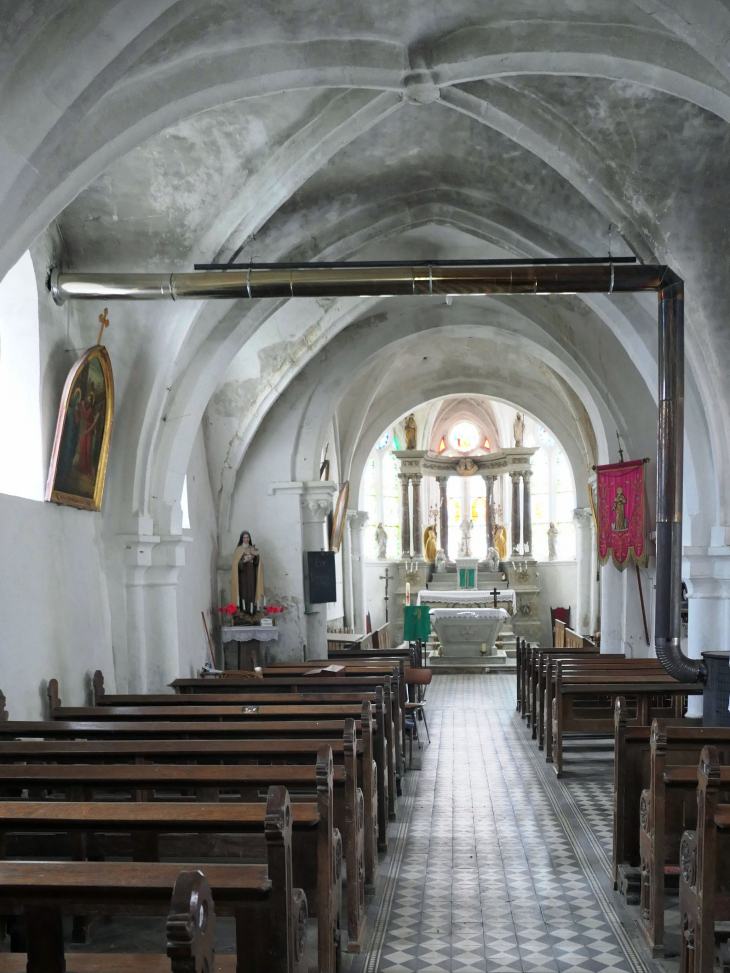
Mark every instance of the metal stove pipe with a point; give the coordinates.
(670, 458)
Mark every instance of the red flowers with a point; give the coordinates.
(273, 609)
(228, 610)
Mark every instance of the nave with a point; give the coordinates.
(498, 866)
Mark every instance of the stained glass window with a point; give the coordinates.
(564, 506)
(391, 503)
(383, 441)
(545, 438)
(540, 492)
(464, 436)
(478, 510)
(371, 505)
(454, 505)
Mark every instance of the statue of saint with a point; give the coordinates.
(381, 538)
(440, 561)
(493, 559)
(519, 429)
(247, 575)
(429, 543)
(411, 431)
(619, 509)
(500, 541)
(552, 536)
(467, 526)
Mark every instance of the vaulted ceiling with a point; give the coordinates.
(151, 135)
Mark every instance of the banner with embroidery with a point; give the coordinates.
(621, 529)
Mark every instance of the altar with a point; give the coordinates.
(467, 598)
(246, 649)
(468, 635)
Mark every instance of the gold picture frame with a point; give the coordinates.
(338, 521)
(81, 444)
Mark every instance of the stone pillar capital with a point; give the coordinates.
(583, 517)
(357, 519)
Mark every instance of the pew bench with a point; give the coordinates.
(584, 701)
(704, 878)
(668, 807)
(159, 780)
(190, 942)
(347, 751)
(271, 916)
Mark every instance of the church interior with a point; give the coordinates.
(364, 486)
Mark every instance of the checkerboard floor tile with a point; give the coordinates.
(497, 866)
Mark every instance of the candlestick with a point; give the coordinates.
(408, 592)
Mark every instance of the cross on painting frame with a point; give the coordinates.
(81, 444)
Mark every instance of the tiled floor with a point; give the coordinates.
(496, 866)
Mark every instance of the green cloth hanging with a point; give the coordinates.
(416, 623)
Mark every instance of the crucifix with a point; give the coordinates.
(494, 594)
(386, 577)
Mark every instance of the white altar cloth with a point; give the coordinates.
(468, 614)
(460, 596)
(246, 633)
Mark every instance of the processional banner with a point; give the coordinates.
(621, 513)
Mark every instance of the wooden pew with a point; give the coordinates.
(631, 775)
(217, 751)
(161, 779)
(298, 682)
(382, 638)
(383, 717)
(190, 941)
(189, 730)
(595, 687)
(537, 682)
(668, 807)
(316, 844)
(271, 916)
(704, 879)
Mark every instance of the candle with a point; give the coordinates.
(408, 592)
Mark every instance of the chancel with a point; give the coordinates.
(364, 478)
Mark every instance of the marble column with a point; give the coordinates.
(516, 519)
(417, 525)
(595, 585)
(581, 615)
(405, 516)
(526, 514)
(443, 515)
(489, 511)
(357, 523)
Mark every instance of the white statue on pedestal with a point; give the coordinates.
(552, 536)
(492, 559)
(440, 562)
(519, 429)
(381, 538)
(467, 527)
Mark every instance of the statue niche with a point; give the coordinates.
(247, 575)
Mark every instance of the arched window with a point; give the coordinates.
(553, 499)
(478, 513)
(380, 496)
(454, 505)
(21, 468)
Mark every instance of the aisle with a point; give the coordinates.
(498, 867)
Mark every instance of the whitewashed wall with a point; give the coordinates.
(54, 616)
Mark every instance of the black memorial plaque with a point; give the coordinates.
(322, 584)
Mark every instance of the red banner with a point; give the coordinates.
(621, 513)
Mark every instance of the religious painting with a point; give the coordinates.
(338, 521)
(81, 444)
(621, 513)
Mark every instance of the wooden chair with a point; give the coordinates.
(416, 709)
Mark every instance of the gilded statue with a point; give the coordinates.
(411, 431)
(500, 541)
(247, 575)
(430, 547)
